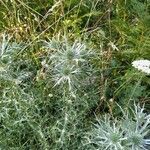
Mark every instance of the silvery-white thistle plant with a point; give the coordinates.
(125, 134)
(106, 134)
(69, 62)
(8, 50)
(137, 130)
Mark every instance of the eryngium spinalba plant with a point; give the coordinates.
(126, 134)
(69, 62)
(8, 51)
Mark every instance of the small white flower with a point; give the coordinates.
(111, 100)
(50, 95)
(2, 69)
(44, 64)
(142, 65)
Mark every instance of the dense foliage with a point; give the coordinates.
(66, 65)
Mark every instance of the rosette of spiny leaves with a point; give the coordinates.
(127, 133)
(8, 51)
(70, 63)
(8, 48)
(5, 57)
(137, 130)
(106, 134)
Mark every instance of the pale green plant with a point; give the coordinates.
(137, 129)
(107, 134)
(8, 47)
(127, 133)
(49, 93)
(8, 51)
(69, 62)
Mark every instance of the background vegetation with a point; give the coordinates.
(65, 63)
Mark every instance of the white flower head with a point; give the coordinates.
(142, 65)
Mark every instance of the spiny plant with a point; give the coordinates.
(8, 50)
(69, 63)
(129, 132)
(49, 93)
